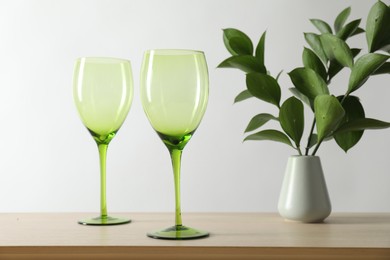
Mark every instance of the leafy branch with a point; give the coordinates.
(341, 118)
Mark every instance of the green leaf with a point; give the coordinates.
(278, 76)
(237, 42)
(271, 135)
(311, 61)
(328, 114)
(239, 46)
(260, 49)
(308, 82)
(348, 30)
(384, 69)
(301, 97)
(341, 19)
(362, 124)
(242, 96)
(378, 27)
(358, 31)
(264, 87)
(335, 67)
(259, 120)
(337, 49)
(291, 119)
(322, 26)
(364, 67)
(353, 110)
(313, 141)
(246, 63)
(314, 42)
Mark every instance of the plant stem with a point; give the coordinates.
(309, 138)
(344, 97)
(316, 148)
(102, 156)
(299, 150)
(176, 161)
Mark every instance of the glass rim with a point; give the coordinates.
(101, 59)
(173, 51)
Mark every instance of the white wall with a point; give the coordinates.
(48, 161)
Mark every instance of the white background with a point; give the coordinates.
(49, 162)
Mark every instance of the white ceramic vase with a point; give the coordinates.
(304, 196)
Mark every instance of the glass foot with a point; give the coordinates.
(100, 221)
(178, 233)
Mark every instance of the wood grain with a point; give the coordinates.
(233, 236)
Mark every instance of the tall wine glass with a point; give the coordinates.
(174, 94)
(103, 92)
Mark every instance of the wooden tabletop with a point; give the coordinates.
(232, 236)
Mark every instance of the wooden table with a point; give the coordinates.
(233, 236)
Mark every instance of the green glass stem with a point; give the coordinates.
(102, 157)
(176, 162)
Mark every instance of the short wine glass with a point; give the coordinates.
(174, 95)
(103, 92)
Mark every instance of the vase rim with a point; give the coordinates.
(304, 156)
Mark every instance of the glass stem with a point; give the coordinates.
(102, 157)
(176, 161)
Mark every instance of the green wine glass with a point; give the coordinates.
(174, 94)
(103, 92)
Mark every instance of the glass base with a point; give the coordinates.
(100, 221)
(178, 233)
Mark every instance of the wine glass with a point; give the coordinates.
(174, 94)
(103, 92)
